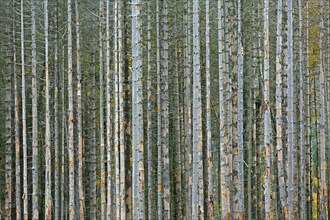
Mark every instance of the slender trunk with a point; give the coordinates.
(92, 179)
(240, 122)
(208, 114)
(149, 118)
(159, 140)
(267, 126)
(56, 135)
(70, 120)
(302, 187)
(197, 166)
(120, 102)
(308, 123)
(137, 112)
(24, 139)
(8, 102)
(108, 109)
(225, 192)
(187, 110)
(116, 133)
(63, 137)
(177, 139)
(102, 171)
(322, 183)
(165, 112)
(290, 115)
(279, 140)
(79, 117)
(17, 134)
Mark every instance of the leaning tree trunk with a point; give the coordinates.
(137, 113)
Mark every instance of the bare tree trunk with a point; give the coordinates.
(308, 122)
(165, 111)
(93, 198)
(121, 133)
(17, 135)
(290, 115)
(322, 183)
(208, 114)
(24, 144)
(159, 136)
(116, 133)
(177, 162)
(137, 113)
(63, 208)
(302, 187)
(240, 109)
(267, 126)
(149, 118)
(70, 120)
(108, 109)
(8, 102)
(279, 140)
(197, 173)
(187, 110)
(56, 135)
(48, 174)
(79, 117)
(102, 171)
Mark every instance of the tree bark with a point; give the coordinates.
(70, 120)
(197, 165)
(137, 112)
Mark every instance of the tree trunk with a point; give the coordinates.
(322, 183)
(267, 125)
(70, 120)
(279, 140)
(8, 102)
(302, 173)
(102, 171)
(92, 179)
(197, 173)
(149, 118)
(24, 138)
(187, 110)
(56, 135)
(159, 136)
(240, 122)
(137, 112)
(165, 112)
(208, 114)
